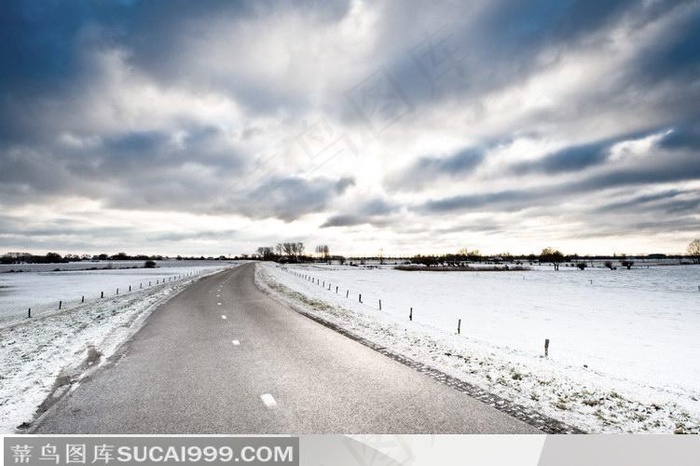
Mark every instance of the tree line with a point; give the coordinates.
(56, 258)
(295, 252)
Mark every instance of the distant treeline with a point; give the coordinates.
(294, 252)
(55, 258)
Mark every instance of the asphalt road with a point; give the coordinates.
(223, 357)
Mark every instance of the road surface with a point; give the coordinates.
(223, 357)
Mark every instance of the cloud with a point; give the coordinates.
(566, 160)
(573, 113)
(684, 137)
(290, 198)
(376, 212)
(428, 170)
(345, 220)
(495, 200)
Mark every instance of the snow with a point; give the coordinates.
(42, 289)
(623, 354)
(35, 352)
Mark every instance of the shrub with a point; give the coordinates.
(150, 264)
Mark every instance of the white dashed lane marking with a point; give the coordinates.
(235, 342)
(224, 317)
(268, 400)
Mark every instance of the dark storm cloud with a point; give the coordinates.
(38, 48)
(442, 54)
(566, 160)
(375, 212)
(43, 46)
(290, 198)
(576, 158)
(668, 169)
(675, 58)
(476, 227)
(135, 169)
(143, 150)
(446, 57)
(499, 200)
(58, 233)
(661, 167)
(428, 170)
(345, 220)
(158, 51)
(683, 137)
(644, 200)
(221, 235)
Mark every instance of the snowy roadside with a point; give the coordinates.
(584, 398)
(39, 354)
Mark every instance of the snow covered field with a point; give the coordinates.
(624, 349)
(65, 344)
(42, 289)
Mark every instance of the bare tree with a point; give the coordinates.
(323, 251)
(291, 250)
(694, 249)
(552, 255)
(266, 253)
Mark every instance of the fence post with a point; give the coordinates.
(347, 294)
(380, 304)
(117, 290)
(546, 347)
(82, 300)
(410, 315)
(459, 326)
(129, 287)
(102, 294)
(60, 304)
(29, 313)
(360, 297)
(336, 289)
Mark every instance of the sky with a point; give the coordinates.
(376, 127)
